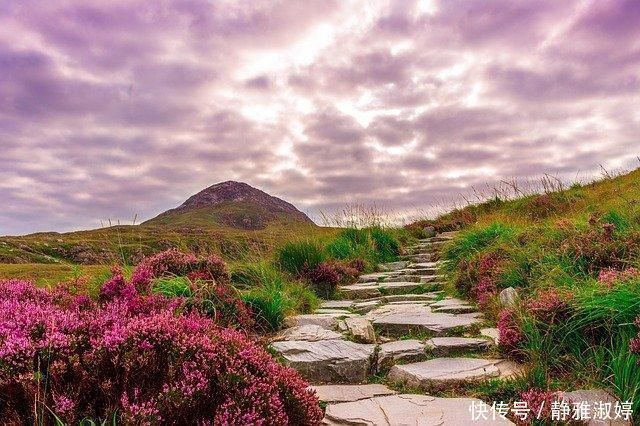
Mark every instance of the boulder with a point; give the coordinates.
(361, 329)
(509, 297)
(400, 350)
(444, 372)
(442, 346)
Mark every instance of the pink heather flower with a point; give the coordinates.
(142, 356)
(509, 331)
(549, 306)
(610, 277)
(539, 402)
(485, 291)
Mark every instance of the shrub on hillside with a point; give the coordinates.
(203, 281)
(511, 336)
(299, 257)
(325, 277)
(139, 358)
(550, 306)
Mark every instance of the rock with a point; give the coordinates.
(336, 304)
(397, 320)
(332, 311)
(373, 277)
(328, 321)
(370, 290)
(405, 409)
(392, 266)
(453, 306)
(347, 393)
(366, 306)
(491, 333)
(442, 346)
(361, 329)
(429, 232)
(591, 397)
(308, 333)
(440, 372)
(400, 350)
(509, 297)
(327, 361)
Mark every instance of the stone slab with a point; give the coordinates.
(406, 409)
(328, 361)
(308, 333)
(346, 393)
(445, 371)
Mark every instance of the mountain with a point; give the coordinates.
(231, 204)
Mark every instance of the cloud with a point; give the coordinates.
(118, 107)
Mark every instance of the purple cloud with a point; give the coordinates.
(114, 108)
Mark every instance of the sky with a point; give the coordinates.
(112, 108)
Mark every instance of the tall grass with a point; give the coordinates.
(298, 256)
(272, 295)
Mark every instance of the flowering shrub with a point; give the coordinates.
(210, 288)
(509, 332)
(599, 248)
(610, 277)
(550, 306)
(478, 278)
(140, 356)
(539, 402)
(326, 276)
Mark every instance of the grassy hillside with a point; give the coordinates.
(579, 201)
(573, 256)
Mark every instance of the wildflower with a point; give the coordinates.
(509, 331)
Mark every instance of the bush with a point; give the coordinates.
(300, 257)
(203, 281)
(141, 357)
(325, 277)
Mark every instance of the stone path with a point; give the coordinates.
(399, 325)
(395, 323)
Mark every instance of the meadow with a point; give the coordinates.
(573, 257)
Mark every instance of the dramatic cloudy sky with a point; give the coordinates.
(110, 108)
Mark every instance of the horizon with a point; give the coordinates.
(116, 109)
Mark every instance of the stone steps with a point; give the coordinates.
(381, 311)
(447, 373)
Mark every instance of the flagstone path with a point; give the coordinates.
(397, 324)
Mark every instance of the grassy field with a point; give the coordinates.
(573, 256)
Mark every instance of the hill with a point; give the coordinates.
(230, 218)
(232, 204)
(559, 272)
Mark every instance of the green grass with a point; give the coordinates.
(298, 256)
(272, 295)
(560, 241)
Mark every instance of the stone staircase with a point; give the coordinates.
(399, 325)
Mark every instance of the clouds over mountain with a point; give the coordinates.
(119, 107)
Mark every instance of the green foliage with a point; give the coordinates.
(172, 286)
(471, 242)
(621, 223)
(299, 256)
(386, 245)
(340, 248)
(272, 297)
